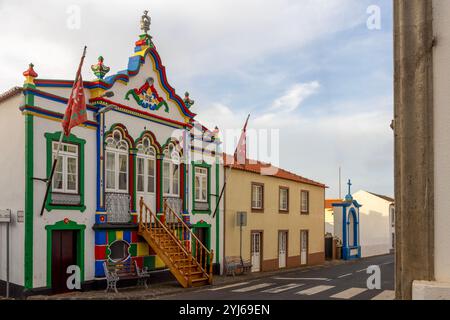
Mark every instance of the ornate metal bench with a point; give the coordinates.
(235, 265)
(123, 271)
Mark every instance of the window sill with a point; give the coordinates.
(194, 212)
(255, 210)
(117, 191)
(304, 213)
(283, 211)
(51, 207)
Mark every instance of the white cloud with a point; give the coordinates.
(293, 97)
(193, 38)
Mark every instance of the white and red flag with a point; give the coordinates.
(240, 155)
(76, 107)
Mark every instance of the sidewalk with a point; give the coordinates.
(160, 290)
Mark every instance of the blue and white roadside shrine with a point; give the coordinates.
(346, 226)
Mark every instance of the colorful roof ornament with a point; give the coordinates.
(145, 40)
(30, 75)
(349, 197)
(187, 101)
(99, 69)
(145, 22)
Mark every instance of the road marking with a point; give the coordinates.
(253, 288)
(315, 290)
(345, 275)
(349, 293)
(230, 286)
(362, 270)
(385, 295)
(284, 288)
(303, 279)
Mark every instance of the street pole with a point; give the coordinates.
(240, 239)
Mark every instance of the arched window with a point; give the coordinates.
(146, 167)
(171, 172)
(116, 168)
(119, 251)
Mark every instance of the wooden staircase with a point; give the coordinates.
(174, 242)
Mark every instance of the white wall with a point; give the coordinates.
(329, 221)
(12, 185)
(441, 60)
(87, 218)
(374, 224)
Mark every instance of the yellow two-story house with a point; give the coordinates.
(284, 225)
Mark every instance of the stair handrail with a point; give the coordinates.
(163, 226)
(192, 234)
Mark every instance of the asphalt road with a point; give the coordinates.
(341, 282)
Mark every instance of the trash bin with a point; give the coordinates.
(338, 252)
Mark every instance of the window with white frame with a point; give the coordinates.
(304, 201)
(201, 184)
(65, 179)
(257, 196)
(146, 166)
(171, 172)
(284, 199)
(116, 169)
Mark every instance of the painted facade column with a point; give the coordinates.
(159, 186)
(183, 182)
(29, 200)
(100, 216)
(131, 179)
(29, 75)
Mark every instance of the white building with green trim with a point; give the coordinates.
(141, 140)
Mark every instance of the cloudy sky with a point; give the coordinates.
(310, 69)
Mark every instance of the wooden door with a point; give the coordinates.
(256, 251)
(282, 249)
(64, 254)
(202, 235)
(304, 235)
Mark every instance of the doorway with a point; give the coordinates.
(304, 240)
(64, 254)
(282, 249)
(202, 235)
(256, 251)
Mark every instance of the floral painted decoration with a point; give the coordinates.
(147, 96)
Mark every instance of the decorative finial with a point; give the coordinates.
(99, 69)
(145, 22)
(187, 101)
(216, 133)
(349, 197)
(30, 74)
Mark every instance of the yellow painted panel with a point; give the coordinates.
(159, 263)
(119, 235)
(142, 249)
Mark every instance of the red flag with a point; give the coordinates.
(240, 155)
(76, 107)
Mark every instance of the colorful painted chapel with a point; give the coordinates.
(346, 225)
(136, 184)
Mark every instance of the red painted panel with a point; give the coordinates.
(139, 261)
(100, 252)
(158, 185)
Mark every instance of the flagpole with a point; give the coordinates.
(226, 176)
(58, 149)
